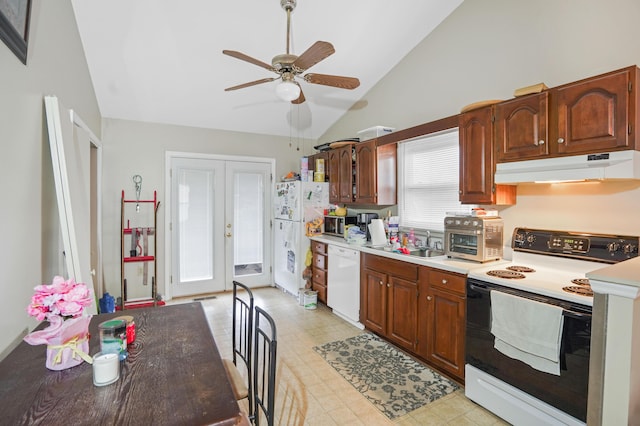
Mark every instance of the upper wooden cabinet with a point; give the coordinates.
(375, 173)
(595, 114)
(477, 161)
(362, 173)
(521, 128)
(588, 116)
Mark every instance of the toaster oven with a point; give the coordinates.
(473, 238)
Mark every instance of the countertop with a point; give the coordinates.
(439, 262)
(625, 273)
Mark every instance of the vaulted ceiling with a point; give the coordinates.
(161, 61)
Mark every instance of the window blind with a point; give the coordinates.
(428, 180)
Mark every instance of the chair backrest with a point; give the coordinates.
(242, 331)
(264, 367)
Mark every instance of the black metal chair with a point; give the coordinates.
(242, 342)
(264, 366)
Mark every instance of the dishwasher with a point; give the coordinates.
(343, 284)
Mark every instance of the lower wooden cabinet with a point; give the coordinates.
(441, 331)
(319, 270)
(420, 309)
(389, 299)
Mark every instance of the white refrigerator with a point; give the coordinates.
(295, 203)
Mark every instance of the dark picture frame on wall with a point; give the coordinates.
(14, 26)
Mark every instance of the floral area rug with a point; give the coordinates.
(394, 382)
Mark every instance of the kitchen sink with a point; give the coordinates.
(426, 253)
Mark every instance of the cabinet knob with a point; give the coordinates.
(444, 281)
(388, 284)
(540, 142)
(228, 234)
(428, 297)
(381, 283)
(560, 140)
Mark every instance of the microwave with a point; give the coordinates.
(335, 225)
(473, 238)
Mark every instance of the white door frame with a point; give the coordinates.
(169, 155)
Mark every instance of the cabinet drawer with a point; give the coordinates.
(319, 261)
(322, 293)
(448, 281)
(319, 276)
(317, 247)
(397, 268)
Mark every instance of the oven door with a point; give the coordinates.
(567, 392)
(463, 244)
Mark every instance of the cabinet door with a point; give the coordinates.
(346, 174)
(365, 177)
(593, 115)
(402, 314)
(445, 344)
(374, 311)
(521, 128)
(334, 177)
(476, 157)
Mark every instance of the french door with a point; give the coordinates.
(220, 224)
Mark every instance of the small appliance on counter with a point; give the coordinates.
(335, 225)
(473, 238)
(363, 221)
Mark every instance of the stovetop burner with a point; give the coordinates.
(582, 288)
(579, 289)
(581, 281)
(519, 268)
(503, 273)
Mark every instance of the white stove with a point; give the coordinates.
(554, 263)
(545, 263)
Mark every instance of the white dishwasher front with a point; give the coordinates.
(343, 284)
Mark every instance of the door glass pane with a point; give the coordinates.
(248, 214)
(195, 221)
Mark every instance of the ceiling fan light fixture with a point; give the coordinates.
(288, 91)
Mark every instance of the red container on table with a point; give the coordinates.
(131, 328)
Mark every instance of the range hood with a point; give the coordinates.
(612, 165)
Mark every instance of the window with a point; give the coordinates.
(428, 180)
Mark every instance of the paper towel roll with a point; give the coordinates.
(376, 229)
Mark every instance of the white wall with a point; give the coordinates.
(131, 148)
(485, 50)
(28, 217)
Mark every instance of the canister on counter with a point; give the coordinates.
(113, 337)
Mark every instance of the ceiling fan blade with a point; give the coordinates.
(301, 98)
(319, 51)
(251, 83)
(246, 58)
(333, 80)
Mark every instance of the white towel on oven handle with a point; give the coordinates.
(527, 330)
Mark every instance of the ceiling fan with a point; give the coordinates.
(289, 66)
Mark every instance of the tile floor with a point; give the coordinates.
(309, 391)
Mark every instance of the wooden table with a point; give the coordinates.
(173, 376)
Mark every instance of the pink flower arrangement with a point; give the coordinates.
(66, 299)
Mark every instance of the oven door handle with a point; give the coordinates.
(565, 312)
(576, 315)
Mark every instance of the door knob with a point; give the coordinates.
(228, 225)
